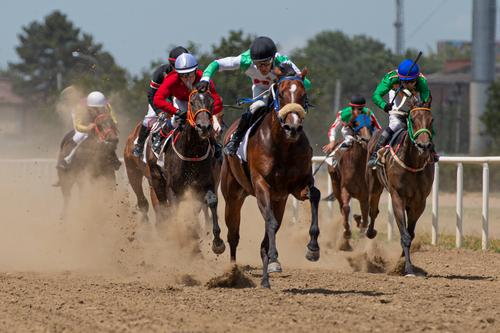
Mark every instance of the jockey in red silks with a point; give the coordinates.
(152, 115)
(179, 85)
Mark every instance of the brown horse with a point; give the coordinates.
(189, 163)
(279, 163)
(94, 157)
(136, 171)
(407, 174)
(348, 182)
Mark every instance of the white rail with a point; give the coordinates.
(459, 161)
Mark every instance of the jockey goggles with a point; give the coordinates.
(261, 63)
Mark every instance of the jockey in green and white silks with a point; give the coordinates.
(257, 63)
(406, 76)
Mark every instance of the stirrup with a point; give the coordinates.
(231, 148)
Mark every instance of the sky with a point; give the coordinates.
(137, 32)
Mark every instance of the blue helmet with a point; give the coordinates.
(404, 72)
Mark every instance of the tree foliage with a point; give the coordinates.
(46, 51)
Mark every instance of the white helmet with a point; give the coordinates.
(96, 99)
(186, 63)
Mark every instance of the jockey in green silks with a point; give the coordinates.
(257, 63)
(406, 76)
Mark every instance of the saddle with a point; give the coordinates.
(257, 118)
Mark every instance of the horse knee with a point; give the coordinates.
(346, 210)
(211, 199)
(406, 240)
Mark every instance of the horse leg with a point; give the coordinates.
(364, 205)
(262, 193)
(218, 246)
(399, 206)
(135, 179)
(66, 183)
(157, 189)
(375, 190)
(279, 210)
(345, 209)
(312, 253)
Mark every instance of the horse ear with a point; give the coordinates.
(303, 73)
(277, 71)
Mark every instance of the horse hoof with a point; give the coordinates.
(362, 232)
(274, 267)
(218, 248)
(345, 246)
(312, 255)
(265, 284)
(410, 275)
(371, 233)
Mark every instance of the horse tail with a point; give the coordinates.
(330, 197)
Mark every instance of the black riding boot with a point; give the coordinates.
(232, 146)
(65, 151)
(383, 139)
(141, 139)
(217, 148)
(160, 136)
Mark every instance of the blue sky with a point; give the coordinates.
(136, 32)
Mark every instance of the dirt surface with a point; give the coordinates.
(103, 271)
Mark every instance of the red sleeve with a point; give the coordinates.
(216, 97)
(165, 91)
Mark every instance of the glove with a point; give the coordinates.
(182, 114)
(202, 86)
(388, 107)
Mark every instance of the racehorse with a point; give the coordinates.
(93, 158)
(348, 179)
(189, 163)
(406, 173)
(278, 164)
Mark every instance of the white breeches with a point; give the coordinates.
(348, 134)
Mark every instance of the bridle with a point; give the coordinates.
(191, 117)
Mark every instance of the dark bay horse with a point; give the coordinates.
(408, 176)
(93, 159)
(189, 164)
(349, 182)
(279, 163)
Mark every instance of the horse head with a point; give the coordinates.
(419, 124)
(290, 100)
(200, 109)
(105, 130)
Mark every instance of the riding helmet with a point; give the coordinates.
(407, 71)
(357, 100)
(186, 63)
(96, 99)
(262, 49)
(175, 52)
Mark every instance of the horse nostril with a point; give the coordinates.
(299, 129)
(287, 127)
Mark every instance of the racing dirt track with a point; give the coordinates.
(103, 271)
(462, 294)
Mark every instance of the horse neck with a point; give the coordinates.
(410, 155)
(189, 137)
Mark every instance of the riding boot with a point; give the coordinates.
(434, 155)
(217, 148)
(141, 139)
(232, 146)
(158, 137)
(66, 151)
(383, 139)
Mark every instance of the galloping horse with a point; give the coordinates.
(347, 178)
(189, 163)
(407, 174)
(278, 164)
(94, 156)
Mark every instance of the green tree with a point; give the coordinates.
(491, 117)
(46, 55)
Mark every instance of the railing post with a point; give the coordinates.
(435, 205)
(330, 190)
(486, 189)
(390, 217)
(460, 189)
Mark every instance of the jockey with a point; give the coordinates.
(179, 84)
(407, 76)
(346, 116)
(257, 63)
(96, 103)
(159, 74)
